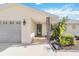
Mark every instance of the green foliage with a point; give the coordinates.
(54, 30)
(69, 36)
(59, 28)
(63, 41)
(67, 40)
(77, 35)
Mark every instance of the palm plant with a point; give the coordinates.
(58, 29)
(61, 28)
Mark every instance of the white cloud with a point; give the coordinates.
(66, 10)
(38, 3)
(2, 3)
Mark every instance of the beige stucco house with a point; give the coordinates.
(72, 27)
(18, 23)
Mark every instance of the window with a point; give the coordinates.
(4, 22)
(0, 22)
(39, 29)
(18, 22)
(11, 22)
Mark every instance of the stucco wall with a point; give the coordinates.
(17, 12)
(33, 27)
(72, 28)
(44, 29)
(26, 32)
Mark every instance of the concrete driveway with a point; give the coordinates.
(31, 50)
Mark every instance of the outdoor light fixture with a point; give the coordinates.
(24, 22)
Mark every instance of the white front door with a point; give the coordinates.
(39, 29)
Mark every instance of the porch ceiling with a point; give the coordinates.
(37, 20)
(43, 19)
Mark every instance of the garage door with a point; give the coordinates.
(10, 31)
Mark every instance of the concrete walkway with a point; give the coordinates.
(31, 50)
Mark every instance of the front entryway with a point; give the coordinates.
(39, 30)
(39, 40)
(10, 31)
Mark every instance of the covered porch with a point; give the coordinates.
(39, 30)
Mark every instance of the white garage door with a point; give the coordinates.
(10, 31)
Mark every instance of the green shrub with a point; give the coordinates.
(63, 42)
(53, 35)
(69, 36)
(67, 40)
(58, 29)
(77, 36)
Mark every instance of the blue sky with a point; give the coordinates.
(61, 9)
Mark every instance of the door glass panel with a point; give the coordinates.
(39, 29)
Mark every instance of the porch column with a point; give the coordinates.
(48, 28)
(26, 31)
